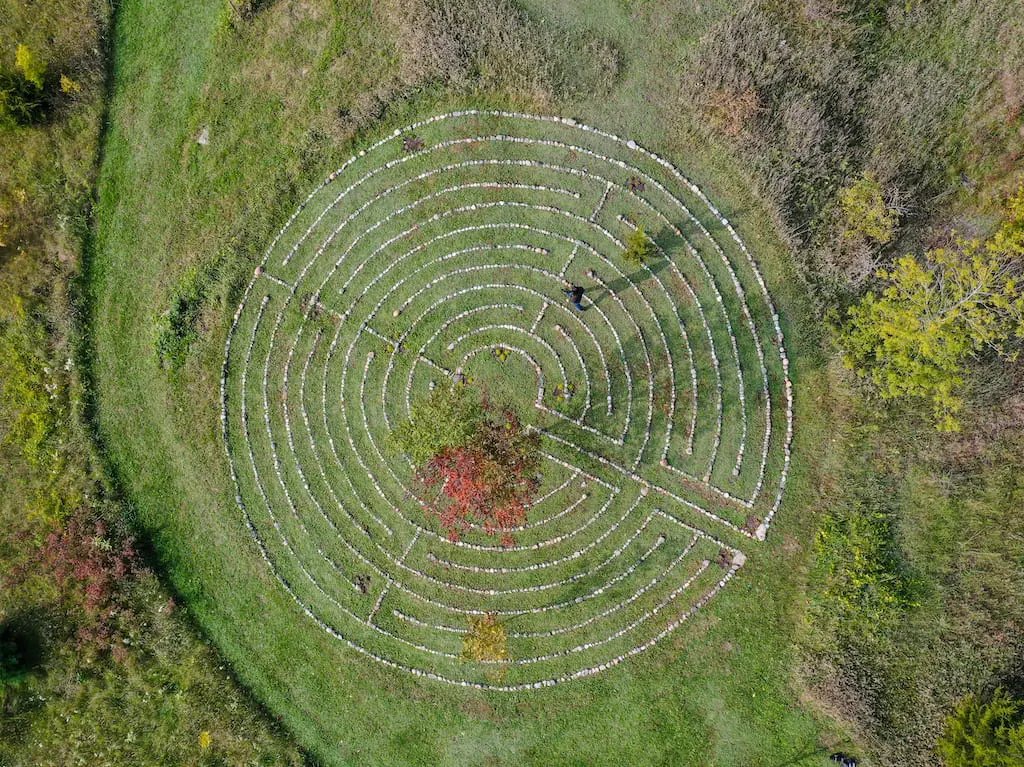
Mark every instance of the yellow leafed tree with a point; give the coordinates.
(916, 338)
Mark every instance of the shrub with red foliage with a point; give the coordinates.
(490, 481)
(89, 566)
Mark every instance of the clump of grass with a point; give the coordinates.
(914, 596)
(862, 587)
(181, 324)
(564, 392)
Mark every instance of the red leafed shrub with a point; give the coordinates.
(490, 480)
(89, 566)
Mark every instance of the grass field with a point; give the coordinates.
(716, 691)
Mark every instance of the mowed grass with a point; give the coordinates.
(717, 692)
(275, 353)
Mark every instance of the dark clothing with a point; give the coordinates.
(575, 295)
(843, 760)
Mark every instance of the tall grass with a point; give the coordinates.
(497, 45)
(816, 95)
(915, 596)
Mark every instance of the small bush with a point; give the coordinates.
(447, 418)
(91, 567)
(987, 734)
(244, 11)
(21, 101)
(486, 641)
(480, 462)
(69, 86)
(732, 112)
(865, 212)
(909, 125)
(29, 65)
(639, 248)
(852, 244)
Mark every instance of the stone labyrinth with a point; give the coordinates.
(664, 408)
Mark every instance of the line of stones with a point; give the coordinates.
(585, 646)
(607, 189)
(389, 580)
(577, 172)
(386, 661)
(630, 144)
(748, 503)
(577, 648)
(710, 279)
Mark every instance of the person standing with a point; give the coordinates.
(575, 294)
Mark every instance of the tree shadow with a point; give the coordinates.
(638, 276)
(22, 652)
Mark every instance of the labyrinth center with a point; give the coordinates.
(665, 408)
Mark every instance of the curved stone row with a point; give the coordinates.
(406, 270)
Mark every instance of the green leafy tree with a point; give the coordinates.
(639, 247)
(448, 418)
(865, 213)
(984, 734)
(917, 337)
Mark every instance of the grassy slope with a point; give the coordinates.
(719, 694)
(75, 704)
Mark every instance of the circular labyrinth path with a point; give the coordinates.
(664, 407)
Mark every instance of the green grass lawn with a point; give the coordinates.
(718, 691)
